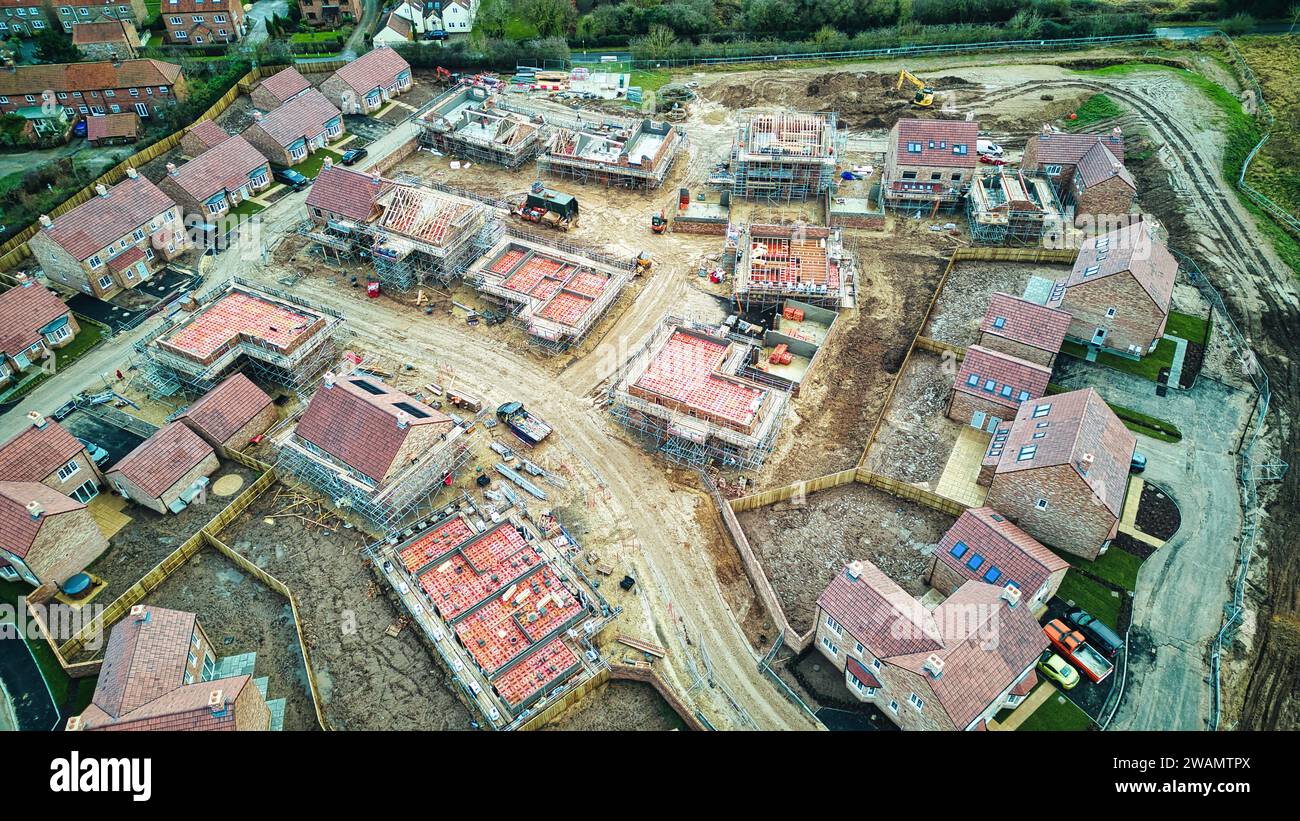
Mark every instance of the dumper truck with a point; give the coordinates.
(550, 208)
(1074, 649)
(530, 428)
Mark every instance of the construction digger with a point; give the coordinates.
(924, 97)
(658, 222)
(550, 208)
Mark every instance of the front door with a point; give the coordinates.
(992, 424)
(86, 492)
(977, 420)
(1099, 336)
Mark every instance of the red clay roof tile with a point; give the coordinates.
(24, 310)
(100, 220)
(34, 453)
(162, 459)
(375, 69)
(228, 407)
(1001, 378)
(1018, 557)
(17, 527)
(945, 135)
(1026, 322)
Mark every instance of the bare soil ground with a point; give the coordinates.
(241, 615)
(802, 547)
(150, 537)
(620, 706)
(367, 680)
(965, 296)
(916, 437)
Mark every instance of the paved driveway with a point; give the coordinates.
(1177, 608)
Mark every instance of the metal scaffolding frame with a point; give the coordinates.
(1012, 206)
(656, 424)
(781, 156)
(466, 122)
(750, 295)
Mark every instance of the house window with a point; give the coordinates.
(198, 40)
(830, 645)
(1023, 396)
(142, 109)
(975, 561)
(893, 706)
(67, 471)
(858, 648)
(1091, 270)
(991, 575)
(137, 234)
(215, 207)
(1110, 313)
(909, 175)
(176, 21)
(1006, 391)
(1041, 504)
(188, 678)
(1000, 322)
(1051, 170)
(135, 92)
(834, 625)
(958, 550)
(916, 701)
(989, 385)
(148, 252)
(59, 335)
(935, 176)
(105, 282)
(193, 659)
(959, 149)
(1041, 410)
(973, 380)
(875, 663)
(197, 18)
(108, 92)
(209, 667)
(914, 148)
(95, 262)
(1026, 453)
(29, 98)
(219, 18)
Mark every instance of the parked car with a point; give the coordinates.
(1056, 669)
(988, 148)
(990, 160)
(353, 155)
(1106, 640)
(97, 454)
(291, 178)
(1138, 464)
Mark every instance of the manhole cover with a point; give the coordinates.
(228, 485)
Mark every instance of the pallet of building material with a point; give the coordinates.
(503, 451)
(395, 629)
(508, 491)
(528, 486)
(644, 646)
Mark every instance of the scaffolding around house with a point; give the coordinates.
(1010, 206)
(273, 336)
(630, 154)
(772, 263)
(783, 155)
(680, 390)
(466, 122)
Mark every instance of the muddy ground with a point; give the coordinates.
(367, 679)
(916, 437)
(802, 547)
(241, 615)
(620, 706)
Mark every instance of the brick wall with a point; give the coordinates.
(258, 424)
(251, 712)
(685, 225)
(86, 471)
(869, 223)
(1074, 520)
(64, 545)
(1137, 321)
(963, 405)
(159, 504)
(270, 148)
(1113, 196)
(1017, 349)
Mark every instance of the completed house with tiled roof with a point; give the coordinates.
(1023, 329)
(146, 87)
(928, 669)
(1060, 471)
(161, 672)
(43, 451)
(286, 135)
(279, 88)
(369, 82)
(23, 18)
(114, 240)
(218, 179)
(929, 163)
(984, 546)
(201, 136)
(231, 414)
(45, 537)
(33, 323)
(107, 39)
(112, 129)
(343, 194)
(202, 22)
(167, 471)
(1087, 170)
(1119, 292)
(72, 12)
(329, 12)
(990, 386)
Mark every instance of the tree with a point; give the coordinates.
(492, 17)
(658, 43)
(56, 47)
(553, 18)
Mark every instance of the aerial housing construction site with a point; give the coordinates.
(549, 411)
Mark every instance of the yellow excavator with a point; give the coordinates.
(924, 97)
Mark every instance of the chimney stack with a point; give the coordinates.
(217, 701)
(402, 419)
(933, 665)
(37, 420)
(257, 116)
(855, 570)
(46, 222)
(132, 174)
(1085, 463)
(101, 190)
(328, 379)
(171, 169)
(73, 725)
(1010, 595)
(35, 509)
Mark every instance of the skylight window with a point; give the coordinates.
(369, 388)
(1006, 391)
(973, 380)
(990, 385)
(1027, 452)
(1041, 410)
(991, 575)
(958, 550)
(1000, 322)
(975, 561)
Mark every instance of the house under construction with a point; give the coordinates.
(784, 155)
(508, 613)
(772, 263)
(466, 122)
(372, 449)
(557, 293)
(681, 390)
(627, 153)
(1008, 205)
(273, 336)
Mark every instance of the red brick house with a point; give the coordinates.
(950, 668)
(45, 537)
(1087, 170)
(369, 82)
(203, 135)
(1119, 292)
(329, 12)
(202, 22)
(929, 163)
(231, 414)
(107, 39)
(44, 452)
(116, 239)
(161, 672)
(342, 194)
(984, 546)
(167, 471)
(33, 323)
(990, 386)
(84, 11)
(147, 87)
(288, 134)
(23, 18)
(279, 88)
(1023, 329)
(218, 179)
(113, 129)
(1060, 471)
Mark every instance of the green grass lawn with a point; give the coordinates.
(89, 336)
(247, 208)
(1055, 714)
(316, 36)
(310, 167)
(1090, 595)
(1115, 566)
(1096, 108)
(1148, 367)
(1136, 421)
(1192, 328)
(650, 81)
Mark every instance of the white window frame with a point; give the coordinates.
(104, 286)
(70, 469)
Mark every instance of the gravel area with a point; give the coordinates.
(619, 706)
(916, 437)
(965, 296)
